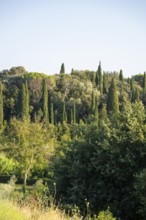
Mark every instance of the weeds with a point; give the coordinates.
(37, 204)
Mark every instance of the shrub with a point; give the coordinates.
(105, 215)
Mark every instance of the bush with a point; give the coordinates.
(5, 190)
(105, 215)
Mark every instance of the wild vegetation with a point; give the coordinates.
(82, 134)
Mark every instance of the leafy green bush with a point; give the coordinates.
(105, 215)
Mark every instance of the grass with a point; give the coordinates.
(11, 211)
(13, 206)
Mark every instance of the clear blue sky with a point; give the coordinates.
(41, 34)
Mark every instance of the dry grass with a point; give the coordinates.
(52, 213)
(11, 211)
(8, 211)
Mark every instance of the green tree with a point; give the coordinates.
(24, 105)
(113, 100)
(93, 78)
(144, 81)
(45, 103)
(103, 112)
(29, 144)
(19, 70)
(100, 78)
(121, 78)
(62, 69)
(128, 81)
(52, 113)
(72, 71)
(27, 99)
(71, 116)
(105, 83)
(7, 165)
(64, 115)
(93, 102)
(74, 112)
(96, 110)
(132, 84)
(1, 106)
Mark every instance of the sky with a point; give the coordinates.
(42, 34)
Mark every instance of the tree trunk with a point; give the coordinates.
(25, 181)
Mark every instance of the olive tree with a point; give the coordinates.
(29, 143)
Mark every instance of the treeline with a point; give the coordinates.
(67, 97)
(85, 132)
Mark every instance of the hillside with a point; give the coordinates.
(83, 134)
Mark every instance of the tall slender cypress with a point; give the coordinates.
(121, 78)
(135, 95)
(72, 71)
(74, 113)
(144, 81)
(132, 84)
(24, 99)
(113, 101)
(103, 112)
(64, 116)
(52, 114)
(133, 90)
(128, 80)
(105, 83)
(45, 103)
(27, 99)
(71, 116)
(94, 78)
(62, 69)
(93, 102)
(100, 78)
(96, 111)
(1, 105)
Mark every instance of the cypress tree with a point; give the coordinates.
(45, 103)
(135, 95)
(64, 117)
(96, 79)
(132, 84)
(24, 99)
(52, 113)
(62, 69)
(105, 83)
(71, 116)
(93, 102)
(74, 113)
(93, 78)
(96, 111)
(113, 101)
(72, 71)
(1, 106)
(121, 78)
(128, 81)
(27, 99)
(144, 81)
(133, 90)
(100, 78)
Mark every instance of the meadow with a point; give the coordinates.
(14, 207)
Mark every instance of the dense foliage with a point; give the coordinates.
(85, 132)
